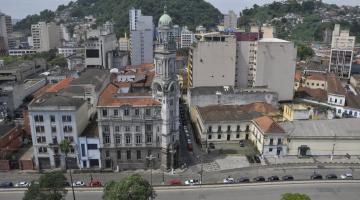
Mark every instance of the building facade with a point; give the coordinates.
(187, 38)
(45, 36)
(230, 20)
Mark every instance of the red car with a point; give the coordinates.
(95, 183)
(175, 182)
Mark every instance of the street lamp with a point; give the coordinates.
(150, 158)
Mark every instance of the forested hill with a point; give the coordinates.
(183, 12)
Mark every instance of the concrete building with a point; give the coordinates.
(141, 37)
(296, 112)
(54, 118)
(5, 31)
(267, 62)
(21, 52)
(212, 62)
(100, 46)
(323, 137)
(341, 56)
(187, 38)
(69, 51)
(124, 43)
(45, 36)
(230, 20)
(89, 145)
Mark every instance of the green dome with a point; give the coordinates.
(165, 20)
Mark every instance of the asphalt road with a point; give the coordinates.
(317, 191)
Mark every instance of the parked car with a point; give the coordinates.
(66, 184)
(211, 145)
(346, 176)
(192, 182)
(259, 179)
(287, 178)
(331, 176)
(95, 183)
(316, 177)
(242, 143)
(273, 178)
(6, 184)
(250, 159)
(229, 180)
(243, 180)
(22, 184)
(175, 182)
(257, 159)
(79, 184)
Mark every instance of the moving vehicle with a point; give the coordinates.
(243, 180)
(273, 178)
(6, 184)
(287, 178)
(259, 179)
(95, 183)
(316, 177)
(229, 180)
(175, 182)
(79, 184)
(192, 182)
(22, 184)
(331, 176)
(346, 176)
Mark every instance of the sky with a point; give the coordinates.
(21, 8)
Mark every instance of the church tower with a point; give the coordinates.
(165, 88)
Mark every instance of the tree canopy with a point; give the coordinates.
(133, 187)
(51, 186)
(295, 196)
(304, 51)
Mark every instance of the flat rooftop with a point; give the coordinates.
(50, 99)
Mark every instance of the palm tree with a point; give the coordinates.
(65, 148)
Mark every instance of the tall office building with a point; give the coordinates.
(141, 37)
(5, 31)
(45, 36)
(341, 56)
(230, 20)
(187, 37)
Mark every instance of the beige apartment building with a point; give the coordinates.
(45, 36)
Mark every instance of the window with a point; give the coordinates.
(117, 129)
(52, 118)
(148, 127)
(279, 141)
(219, 136)
(209, 137)
(41, 139)
(209, 129)
(116, 112)
(238, 128)
(126, 112)
(148, 138)
(69, 138)
(67, 129)
(138, 154)
(104, 112)
(92, 146)
(138, 139)
(42, 150)
(137, 112)
(66, 118)
(127, 128)
(335, 100)
(228, 128)
(106, 129)
(148, 112)
(106, 137)
(39, 118)
(270, 149)
(128, 139)
(107, 153)
(56, 150)
(53, 129)
(340, 101)
(238, 135)
(39, 129)
(312, 84)
(317, 84)
(118, 139)
(119, 154)
(137, 128)
(54, 139)
(128, 154)
(219, 129)
(271, 141)
(83, 150)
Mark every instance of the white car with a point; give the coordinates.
(192, 182)
(22, 184)
(79, 184)
(189, 141)
(346, 176)
(228, 180)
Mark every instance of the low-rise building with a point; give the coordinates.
(296, 112)
(89, 145)
(21, 52)
(316, 81)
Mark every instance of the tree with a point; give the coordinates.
(59, 60)
(304, 51)
(50, 186)
(133, 187)
(294, 196)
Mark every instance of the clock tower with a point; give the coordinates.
(165, 88)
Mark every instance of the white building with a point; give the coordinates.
(187, 38)
(341, 56)
(45, 36)
(21, 52)
(89, 145)
(52, 119)
(230, 20)
(69, 51)
(141, 37)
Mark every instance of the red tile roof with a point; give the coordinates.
(315, 94)
(60, 85)
(268, 125)
(317, 77)
(261, 107)
(298, 75)
(110, 97)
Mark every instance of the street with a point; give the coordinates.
(317, 191)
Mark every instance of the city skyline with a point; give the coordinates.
(21, 8)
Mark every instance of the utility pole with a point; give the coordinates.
(150, 158)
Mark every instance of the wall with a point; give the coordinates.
(316, 84)
(242, 63)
